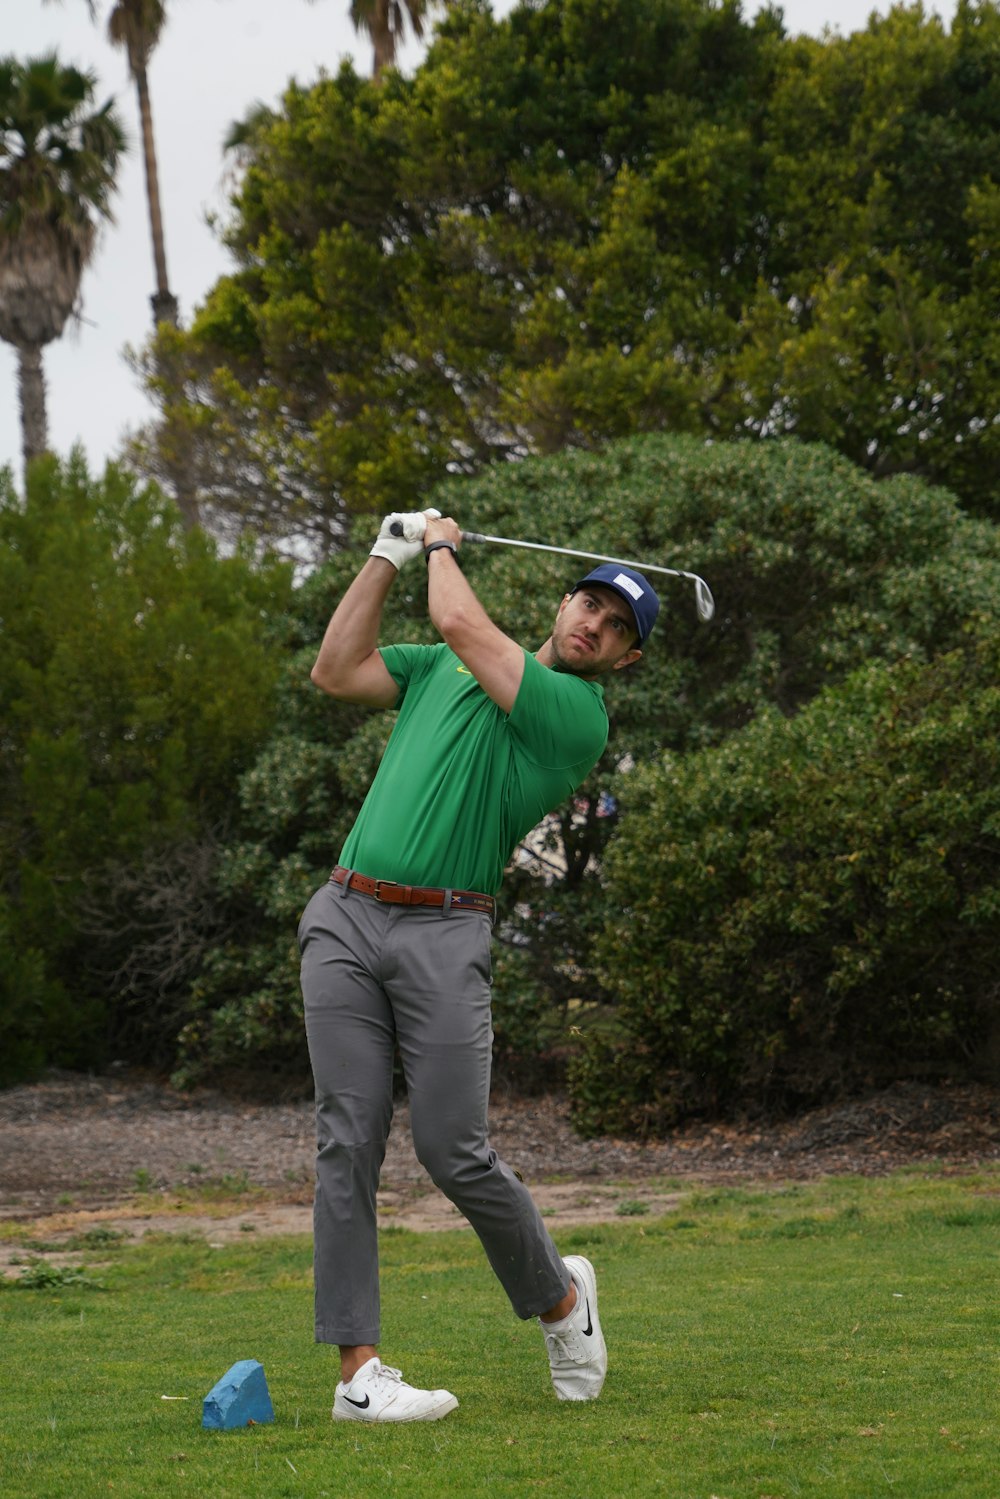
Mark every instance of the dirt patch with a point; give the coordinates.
(76, 1238)
(124, 1155)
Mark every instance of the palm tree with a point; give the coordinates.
(385, 23)
(58, 159)
(135, 27)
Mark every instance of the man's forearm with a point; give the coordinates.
(348, 665)
(453, 607)
(496, 661)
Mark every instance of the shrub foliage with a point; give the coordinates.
(135, 681)
(813, 906)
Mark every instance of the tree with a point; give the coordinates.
(872, 326)
(58, 159)
(135, 684)
(385, 22)
(135, 26)
(596, 218)
(400, 249)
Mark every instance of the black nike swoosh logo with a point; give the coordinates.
(362, 1405)
(588, 1331)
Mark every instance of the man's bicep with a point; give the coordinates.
(370, 683)
(380, 688)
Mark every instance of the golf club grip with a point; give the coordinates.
(396, 528)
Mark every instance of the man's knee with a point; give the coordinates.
(453, 1167)
(351, 1141)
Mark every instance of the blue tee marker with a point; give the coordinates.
(239, 1399)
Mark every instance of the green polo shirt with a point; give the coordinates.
(461, 781)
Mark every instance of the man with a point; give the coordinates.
(396, 947)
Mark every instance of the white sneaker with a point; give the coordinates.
(378, 1393)
(578, 1356)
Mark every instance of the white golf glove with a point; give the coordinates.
(399, 549)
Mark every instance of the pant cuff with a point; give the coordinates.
(348, 1337)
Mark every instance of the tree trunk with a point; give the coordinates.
(31, 390)
(163, 300)
(383, 53)
(164, 303)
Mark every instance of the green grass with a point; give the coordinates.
(837, 1340)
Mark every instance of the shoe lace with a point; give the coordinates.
(389, 1374)
(562, 1344)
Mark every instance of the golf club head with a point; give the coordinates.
(704, 602)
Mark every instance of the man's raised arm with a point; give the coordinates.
(349, 666)
(494, 659)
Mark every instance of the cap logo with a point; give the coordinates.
(629, 585)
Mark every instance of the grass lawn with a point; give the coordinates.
(835, 1340)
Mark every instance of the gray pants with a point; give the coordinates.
(374, 975)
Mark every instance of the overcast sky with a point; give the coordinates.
(216, 58)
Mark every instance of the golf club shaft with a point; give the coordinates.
(703, 594)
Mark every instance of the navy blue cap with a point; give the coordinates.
(633, 588)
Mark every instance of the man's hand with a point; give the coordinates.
(441, 528)
(399, 549)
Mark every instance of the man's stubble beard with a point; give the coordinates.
(560, 664)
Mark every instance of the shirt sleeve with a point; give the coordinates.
(559, 719)
(407, 663)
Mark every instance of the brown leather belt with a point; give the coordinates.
(393, 894)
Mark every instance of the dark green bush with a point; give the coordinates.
(812, 908)
(135, 684)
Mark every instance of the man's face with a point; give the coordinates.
(594, 633)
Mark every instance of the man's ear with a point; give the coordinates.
(627, 660)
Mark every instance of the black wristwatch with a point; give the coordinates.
(453, 549)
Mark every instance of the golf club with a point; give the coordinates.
(704, 602)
